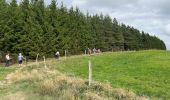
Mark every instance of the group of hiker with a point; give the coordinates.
(20, 58)
(8, 59)
(57, 55)
(89, 51)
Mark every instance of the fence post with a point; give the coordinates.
(85, 52)
(26, 61)
(37, 60)
(65, 54)
(44, 62)
(90, 72)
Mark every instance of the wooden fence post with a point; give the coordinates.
(37, 60)
(65, 54)
(85, 52)
(90, 72)
(26, 61)
(45, 63)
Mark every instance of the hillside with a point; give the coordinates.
(144, 72)
(116, 76)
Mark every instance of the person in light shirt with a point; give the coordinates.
(20, 59)
(7, 58)
(57, 55)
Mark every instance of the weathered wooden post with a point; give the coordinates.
(90, 73)
(26, 61)
(45, 63)
(65, 54)
(85, 52)
(37, 60)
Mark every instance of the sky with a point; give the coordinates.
(151, 16)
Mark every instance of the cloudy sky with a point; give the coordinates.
(152, 16)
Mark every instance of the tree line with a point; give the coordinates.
(33, 27)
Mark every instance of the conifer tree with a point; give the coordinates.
(32, 27)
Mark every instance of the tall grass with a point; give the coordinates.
(52, 84)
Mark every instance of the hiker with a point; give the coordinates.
(20, 59)
(98, 51)
(57, 55)
(94, 50)
(7, 60)
(89, 51)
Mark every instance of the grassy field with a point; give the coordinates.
(34, 82)
(4, 71)
(144, 72)
(117, 76)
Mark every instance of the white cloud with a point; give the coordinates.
(151, 16)
(78, 2)
(167, 28)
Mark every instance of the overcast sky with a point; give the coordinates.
(152, 16)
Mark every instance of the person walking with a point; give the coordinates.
(57, 55)
(20, 59)
(7, 60)
(94, 50)
(89, 51)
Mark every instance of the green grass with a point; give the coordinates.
(4, 71)
(37, 83)
(144, 72)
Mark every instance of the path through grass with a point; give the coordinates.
(4, 71)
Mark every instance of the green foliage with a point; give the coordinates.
(31, 27)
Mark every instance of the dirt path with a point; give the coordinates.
(7, 81)
(19, 95)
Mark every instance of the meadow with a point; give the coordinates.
(133, 75)
(144, 72)
(4, 71)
